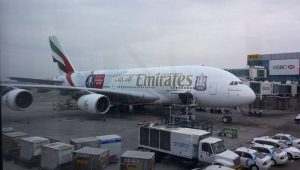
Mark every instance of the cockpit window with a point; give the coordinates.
(235, 83)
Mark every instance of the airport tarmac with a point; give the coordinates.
(42, 120)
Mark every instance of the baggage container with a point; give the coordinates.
(87, 141)
(11, 143)
(113, 143)
(137, 160)
(7, 129)
(56, 155)
(30, 148)
(90, 158)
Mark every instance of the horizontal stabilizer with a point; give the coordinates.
(38, 81)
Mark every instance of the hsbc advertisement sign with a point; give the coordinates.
(284, 67)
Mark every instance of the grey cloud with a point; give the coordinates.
(100, 34)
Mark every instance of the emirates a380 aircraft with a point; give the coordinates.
(95, 91)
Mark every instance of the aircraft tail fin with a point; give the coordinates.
(60, 57)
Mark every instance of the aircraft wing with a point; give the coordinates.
(39, 81)
(115, 96)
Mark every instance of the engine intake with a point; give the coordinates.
(94, 103)
(18, 99)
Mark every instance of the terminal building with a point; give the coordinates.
(275, 78)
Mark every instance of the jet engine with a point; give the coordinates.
(18, 99)
(94, 103)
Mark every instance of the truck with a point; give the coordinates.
(188, 144)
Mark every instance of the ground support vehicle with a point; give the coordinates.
(214, 167)
(186, 143)
(229, 131)
(278, 157)
(287, 139)
(297, 119)
(187, 121)
(253, 159)
(292, 152)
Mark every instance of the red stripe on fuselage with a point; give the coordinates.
(67, 64)
(69, 79)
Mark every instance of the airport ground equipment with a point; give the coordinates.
(214, 167)
(69, 104)
(113, 143)
(187, 121)
(187, 143)
(30, 150)
(90, 158)
(230, 131)
(292, 152)
(297, 119)
(11, 141)
(7, 129)
(86, 141)
(252, 159)
(287, 139)
(278, 157)
(137, 160)
(56, 156)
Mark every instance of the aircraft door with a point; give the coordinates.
(212, 88)
(206, 153)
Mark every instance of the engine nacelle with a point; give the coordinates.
(94, 103)
(18, 99)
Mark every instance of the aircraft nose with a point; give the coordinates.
(251, 94)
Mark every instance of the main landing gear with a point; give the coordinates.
(227, 118)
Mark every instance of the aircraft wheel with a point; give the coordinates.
(225, 119)
(229, 118)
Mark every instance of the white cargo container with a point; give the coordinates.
(113, 143)
(137, 160)
(90, 158)
(11, 142)
(7, 129)
(86, 141)
(55, 155)
(31, 147)
(190, 144)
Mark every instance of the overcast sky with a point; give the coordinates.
(109, 34)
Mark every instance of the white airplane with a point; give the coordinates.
(95, 91)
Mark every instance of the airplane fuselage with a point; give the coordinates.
(210, 86)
